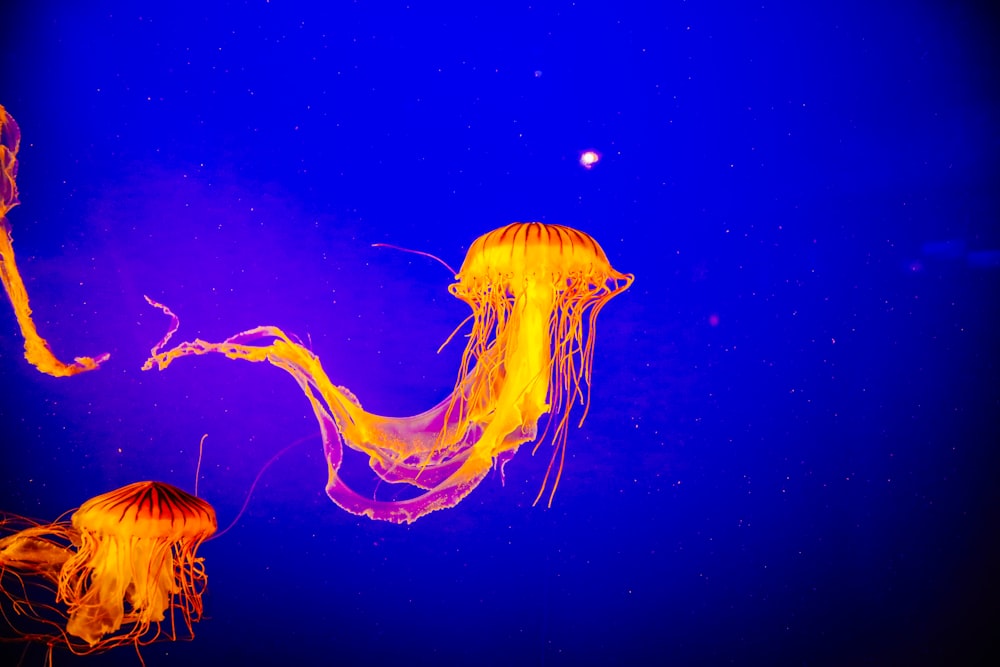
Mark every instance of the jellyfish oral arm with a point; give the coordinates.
(401, 449)
(386, 440)
(510, 388)
(36, 349)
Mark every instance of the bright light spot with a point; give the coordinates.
(713, 320)
(589, 158)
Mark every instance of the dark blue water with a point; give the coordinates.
(790, 452)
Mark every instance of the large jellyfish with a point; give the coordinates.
(36, 349)
(535, 291)
(126, 562)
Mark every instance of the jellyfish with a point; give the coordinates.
(138, 545)
(36, 349)
(535, 291)
(125, 562)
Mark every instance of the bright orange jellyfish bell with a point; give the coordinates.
(137, 546)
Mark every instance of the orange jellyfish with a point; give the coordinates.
(36, 349)
(535, 291)
(126, 563)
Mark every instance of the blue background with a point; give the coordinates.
(790, 454)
